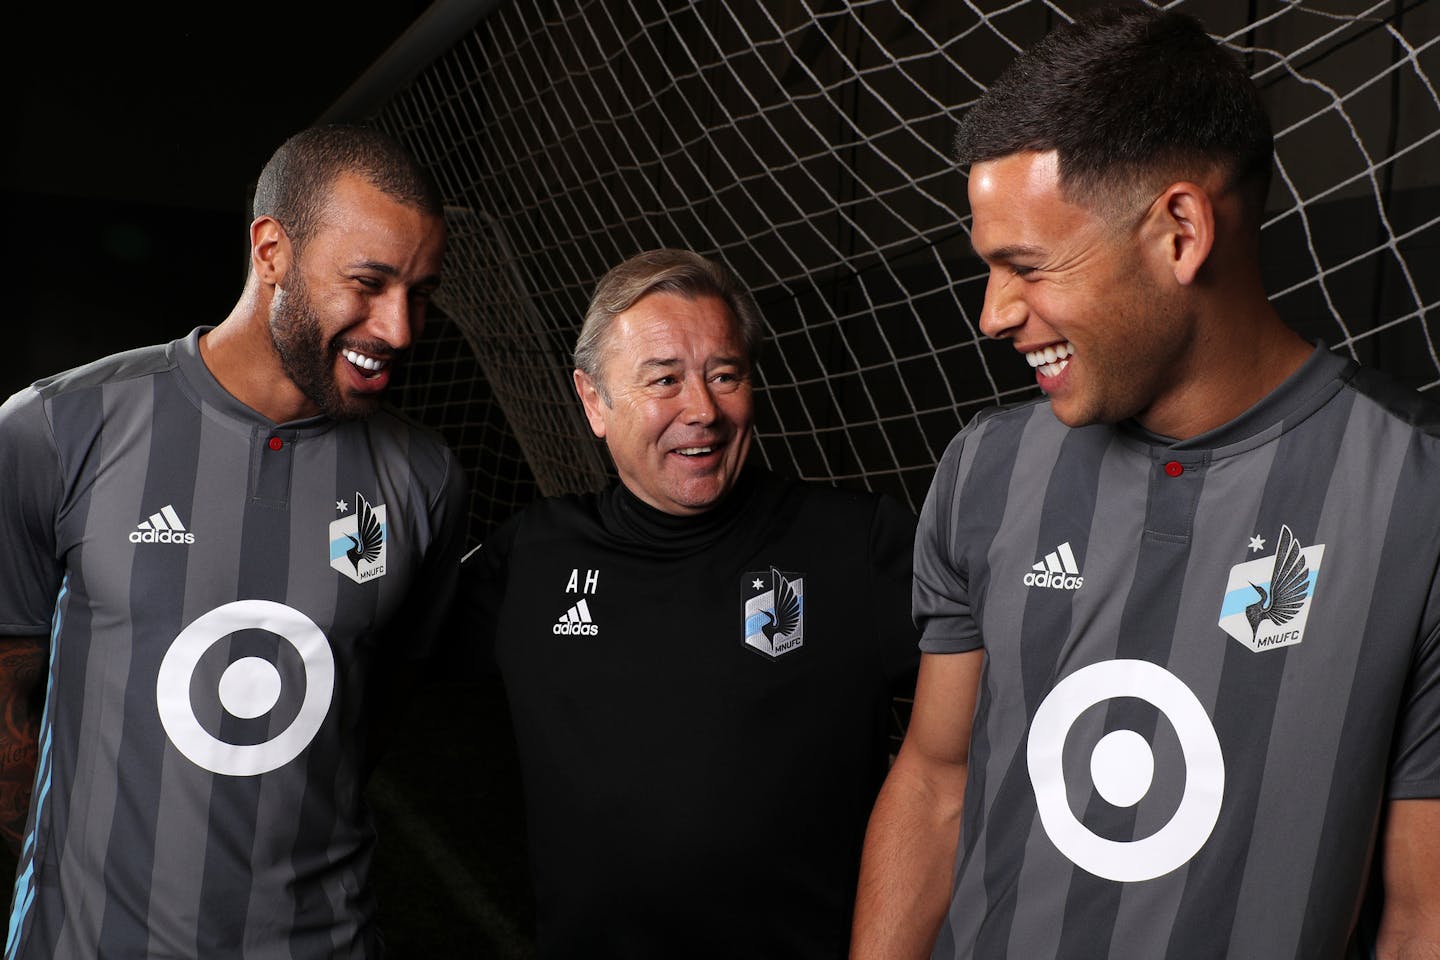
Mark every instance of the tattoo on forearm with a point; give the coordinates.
(22, 665)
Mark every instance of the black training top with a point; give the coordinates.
(702, 709)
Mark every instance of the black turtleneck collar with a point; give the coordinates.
(630, 518)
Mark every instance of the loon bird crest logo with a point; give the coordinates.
(1289, 586)
(773, 614)
(357, 542)
(1267, 600)
(372, 538)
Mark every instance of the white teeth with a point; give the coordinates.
(362, 361)
(1053, 369)
(694, 451)
(1053, 356)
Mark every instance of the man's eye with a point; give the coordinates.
(1020, 271)
(369, 283)
(666, 381)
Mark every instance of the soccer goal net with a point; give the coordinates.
(806, 144)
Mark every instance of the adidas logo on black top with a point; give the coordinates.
(576, 620)
(162, 527)
(1058, 570)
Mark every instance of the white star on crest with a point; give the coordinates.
(757, 583)
(341, 505)
(1257, 543)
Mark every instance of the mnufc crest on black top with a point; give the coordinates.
(773, 614)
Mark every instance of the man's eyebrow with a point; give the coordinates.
(665, 363)
(1013, 251)
(377, 266)
(390, 270)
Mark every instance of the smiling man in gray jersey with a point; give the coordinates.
(1181, 618)
(216, 551)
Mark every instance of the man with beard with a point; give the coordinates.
(701, 659)
(223, 545)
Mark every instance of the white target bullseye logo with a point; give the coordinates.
(1122, 766)
(248, 688)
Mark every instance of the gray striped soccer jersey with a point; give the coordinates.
(221, 595)
(1207, 664)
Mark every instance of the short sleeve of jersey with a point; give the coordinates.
(431, 595)
(940, 597)
(892, 544)
(1415, 771)
(30, 571)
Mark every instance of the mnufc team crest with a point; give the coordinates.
(1267, 601)
(774, 611)
(357, 542)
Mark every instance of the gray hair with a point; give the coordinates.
(665, 270)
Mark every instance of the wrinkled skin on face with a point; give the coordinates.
(675, 405)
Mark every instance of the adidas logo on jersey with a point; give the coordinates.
(1058, 571)
(162, 527)
(576, 620)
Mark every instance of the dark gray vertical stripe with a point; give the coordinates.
(105, 574)
(225, 893)
(1147, 631)
(1377, 687)
(75, 415)
(159, 569)
(314, 821)
(1110, 558)
(1225, 517)
(986, 464)
(1249, 681)
(220, 482)
(1044, 619)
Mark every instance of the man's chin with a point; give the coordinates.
(356, 406)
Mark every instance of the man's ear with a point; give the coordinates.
(591, 400)
(270, 250)
(1183, 223)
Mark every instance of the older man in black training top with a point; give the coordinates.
(700, 660)
(1181, 618)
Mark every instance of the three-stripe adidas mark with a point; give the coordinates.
(162, 527)
(576, 620)
(1058, 570)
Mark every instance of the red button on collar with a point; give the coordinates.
(276, 443)
(1174, 468)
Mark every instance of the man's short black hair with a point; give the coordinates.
(1126, 96)
(295, 184)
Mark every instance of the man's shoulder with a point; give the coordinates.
(127, 365)
(1010, 420)
(1397, 400)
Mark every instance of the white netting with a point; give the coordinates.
(807, 145)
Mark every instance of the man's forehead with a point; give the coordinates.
(666, 331)
(1018, 209)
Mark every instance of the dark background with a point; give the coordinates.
(134, 136)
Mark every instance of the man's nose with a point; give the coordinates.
(395, 319)
(1004, 309)
(699, 402)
